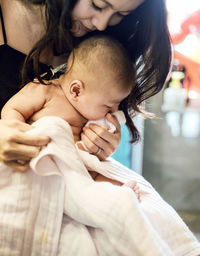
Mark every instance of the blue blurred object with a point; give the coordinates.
(123, 153)
(131, 155)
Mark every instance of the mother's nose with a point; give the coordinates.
(101, 21)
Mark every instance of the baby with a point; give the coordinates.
(99, 76)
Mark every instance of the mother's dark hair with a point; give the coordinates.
(143, 33)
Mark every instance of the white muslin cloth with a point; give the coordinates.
(57, 209)
(108, 125)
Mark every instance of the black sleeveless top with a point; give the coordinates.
(11, 62)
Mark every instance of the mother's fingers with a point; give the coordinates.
(114, 121)
(14, 124)
(112, 139)
(87, 140)
(28, 139)
(93, 148)
(19, 151)
(19, 145)
(93, 140)
(16, 166)
(96, 137)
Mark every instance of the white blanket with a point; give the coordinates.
(57, 209)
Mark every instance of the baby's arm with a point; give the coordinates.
(99, 177)
(23, 104)
(131, 184)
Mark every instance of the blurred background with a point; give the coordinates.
(168, 155)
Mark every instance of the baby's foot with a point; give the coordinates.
(133, 184)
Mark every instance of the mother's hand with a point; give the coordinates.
(16, 147)
(95, 137)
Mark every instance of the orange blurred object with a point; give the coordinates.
(192, 68)
(190, 25)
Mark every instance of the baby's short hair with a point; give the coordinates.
(96, 51)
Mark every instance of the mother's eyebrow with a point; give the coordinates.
(111, 6)
(106, 2)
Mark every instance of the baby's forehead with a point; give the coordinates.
(113, 88)
(106, 59)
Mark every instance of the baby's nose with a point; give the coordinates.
(114, 108)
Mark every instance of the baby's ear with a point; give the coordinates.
(76, 89)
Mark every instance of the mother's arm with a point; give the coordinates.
(95, 137)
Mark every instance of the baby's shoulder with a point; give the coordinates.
(46, 86)
(35, 86)
(47, 91)
(35, 89)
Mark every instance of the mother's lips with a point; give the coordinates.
(86, 28)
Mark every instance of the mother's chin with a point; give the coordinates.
(78, 29)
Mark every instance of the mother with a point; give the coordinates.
(39, 34)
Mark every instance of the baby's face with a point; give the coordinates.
(97, 103)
